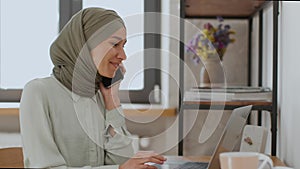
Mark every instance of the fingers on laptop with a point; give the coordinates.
(145, 166)
(155, 160)
(150, 157)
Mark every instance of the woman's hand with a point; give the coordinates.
(140, 160)
(111, 95)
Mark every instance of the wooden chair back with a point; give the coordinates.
(11, 157)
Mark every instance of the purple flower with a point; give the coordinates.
(210, 41)
(208, 26)
(220, 19)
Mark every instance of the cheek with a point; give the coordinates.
(109, 55)
(105, 61)
(99, 57)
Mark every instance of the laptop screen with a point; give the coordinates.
(231, 135)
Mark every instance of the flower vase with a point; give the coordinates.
(212, 73)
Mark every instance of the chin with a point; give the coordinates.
(109, 75)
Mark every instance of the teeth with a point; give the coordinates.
(116, 65)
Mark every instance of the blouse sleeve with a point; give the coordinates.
(39, 147)
(119, 147)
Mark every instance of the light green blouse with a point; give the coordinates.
(62, 129)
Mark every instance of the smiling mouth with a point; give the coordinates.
(116, 65)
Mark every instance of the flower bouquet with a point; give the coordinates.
(211, 41)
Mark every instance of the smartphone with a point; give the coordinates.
(109, 82)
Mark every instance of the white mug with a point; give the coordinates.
(245, 160)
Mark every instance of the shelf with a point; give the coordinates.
(233, 103)
(228, 8)
(233, 9)
(227, 105)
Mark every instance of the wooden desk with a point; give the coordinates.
(276, 160)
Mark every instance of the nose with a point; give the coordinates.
(122, 54)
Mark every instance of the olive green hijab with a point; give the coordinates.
(70, 52)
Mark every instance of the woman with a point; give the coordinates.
(70, 119)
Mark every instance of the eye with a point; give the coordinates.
(117, 44)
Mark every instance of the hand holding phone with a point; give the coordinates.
(109, 82)
(109, 89)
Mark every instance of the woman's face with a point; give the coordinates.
(109, 54)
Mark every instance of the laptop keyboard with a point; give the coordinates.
(186, 165)
(193, 165)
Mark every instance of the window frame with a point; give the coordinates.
(152, 76)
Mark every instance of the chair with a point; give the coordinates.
(11, 157)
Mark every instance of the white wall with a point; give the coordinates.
(289, 83)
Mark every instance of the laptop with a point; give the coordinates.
(229, 139)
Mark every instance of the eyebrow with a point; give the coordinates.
(119, 38)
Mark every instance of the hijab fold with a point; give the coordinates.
(70, 52)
